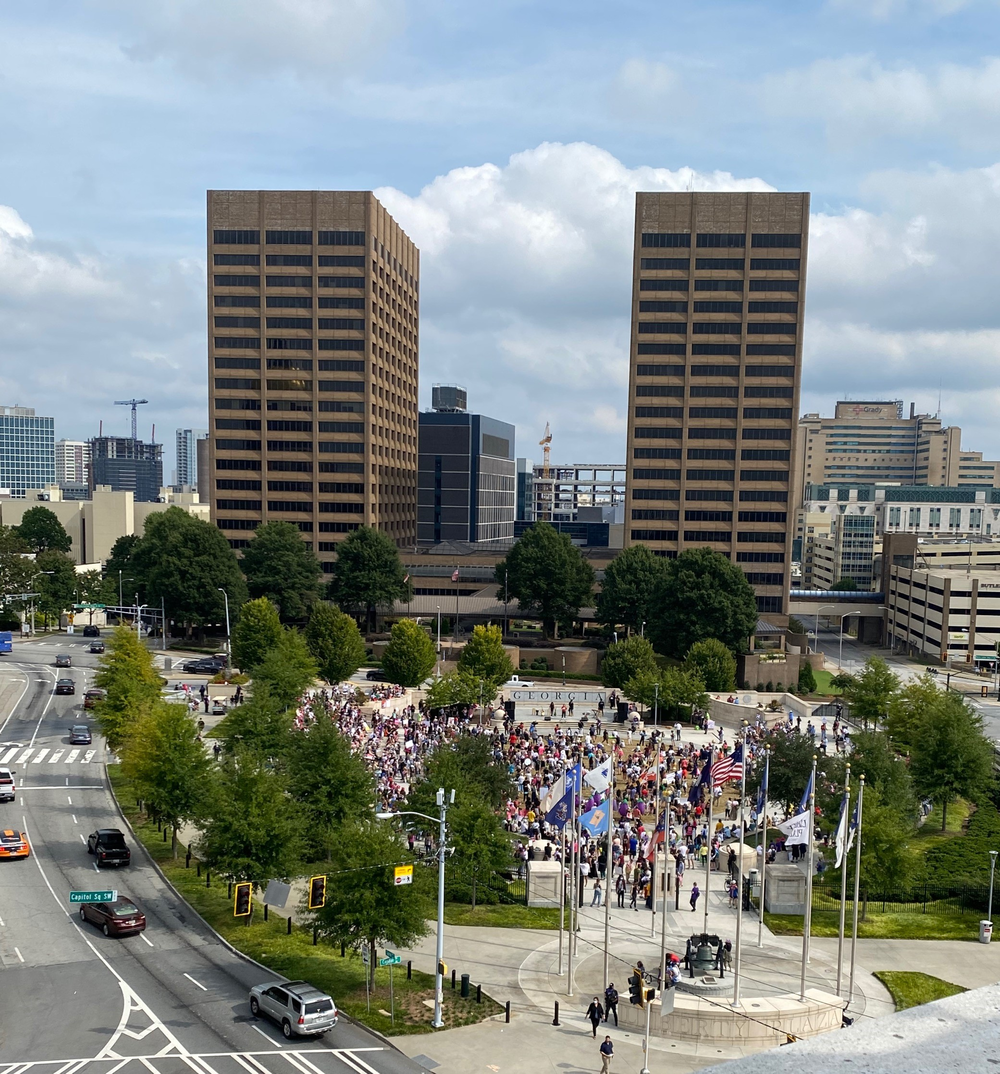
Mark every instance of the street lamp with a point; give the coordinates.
(443, 806)
(120, 586)
(993, 865)
(138, 617)
(439, 641)
(642, 629)
(229, 643)
(31, 585)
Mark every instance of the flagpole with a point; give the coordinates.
(663, 916)
(711, 825)
(573, 880)
(807, 919)
(843, 877)
(609, 869)
(857, 886)
(739, 901)
(656, 825)
(565, 880)
(763, 846)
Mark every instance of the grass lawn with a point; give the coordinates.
(502, 916)
(955, 820)
(904, 926)
(295, 956)
(913, 989)
(823, 687)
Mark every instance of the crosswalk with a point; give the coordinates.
(29, 755)
(170, 1061)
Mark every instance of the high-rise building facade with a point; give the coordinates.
(72, 462)
(27, 450)
(313, 305)
(715, 361)
(126, 465)
(187, 456)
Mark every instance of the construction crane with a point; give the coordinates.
(135, 403)
(544, 445)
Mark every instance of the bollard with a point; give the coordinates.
(453, 980)
(199, 867)
(465, 985)
(315, 936)
(208, 878)
(507, 1012)
(342, 949)
(409, 969)
(288, 931)
(479, 993)
(555, 1021)
(229, 890)
(265, 911)
(187, 860)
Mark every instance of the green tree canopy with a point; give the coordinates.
(258, 630)
(630, 580)
(57, 587)
(466, 766)
(846, 584)
(184, 562)
(409, 657)
(873, 756)
(702, 595)
(455, 688)
(481, 844)
(287, 670)
(906, 708)
(887, 858)
(626, 659)
(807, 679)
(261, 724)
(15, 569)
(118, 568)
(671, 692)
(871, 693)
(548, 576)
(368, 574)
(791, 765)
(279, 565)
(714, 663)
(41, 531)
(485, 658)
(132, 683)
(335, 642)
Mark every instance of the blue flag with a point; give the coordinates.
(762, 791)
(559, 815)
(597, 820)
(704, 780)
(804, 803)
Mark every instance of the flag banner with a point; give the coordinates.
(454, 576)
(561, 786)
(727, 768)
(804, 802)
(600, 777)
(596, 822)
(704, 780)
(762, 792)
(559, 815)
(854, 824)
(795, 829)
(841, 838)
(659, 837)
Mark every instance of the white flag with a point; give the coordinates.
(795, 829)
(600, 777)
(841, 837)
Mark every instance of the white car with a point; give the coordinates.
(518, 684)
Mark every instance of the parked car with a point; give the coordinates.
(300, 1009)
(8, 790)
(210, 665)
(119, 918)
(14, 844)
(109, 847)
(97, 646)
(64, 660)
(376, 675)
(514, 683)
(92, 696)
(79, 735)
(65, 686)
(91, 632)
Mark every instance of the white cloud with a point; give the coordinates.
(881, 10)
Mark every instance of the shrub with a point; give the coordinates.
(807, 679)
(760, 688)
(770, 687)
(746, 684)
(779, 688)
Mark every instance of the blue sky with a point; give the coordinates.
(508, 138)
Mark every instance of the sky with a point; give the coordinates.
(508, 138)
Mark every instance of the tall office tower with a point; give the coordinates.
(72, 462)
(313, 327)
(27, 450)
(187, 456)
(127, 465)
(716, 352)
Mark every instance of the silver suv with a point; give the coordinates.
(300, 1009)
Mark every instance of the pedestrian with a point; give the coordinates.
(607, 1054)
(595, 1012)
(694, 896)
(596, 900)
(216, 750)
(634, 896)
(611, 1002)
(621, 887)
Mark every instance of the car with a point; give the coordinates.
(79, 735)
(109, 847)
(210, 665)
(91, 632)
(8, 790)
(14, 844)
(65, 686)
(119, 918)
(300, 1009)
(376, 675)
(97, 647)
(92, 696)
(64, 660)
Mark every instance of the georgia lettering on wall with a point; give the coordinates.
(576, 696)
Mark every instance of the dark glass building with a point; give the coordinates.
(127, 465)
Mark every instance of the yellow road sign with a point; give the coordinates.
(403, 875)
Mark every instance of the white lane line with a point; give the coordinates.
(68, 799)
(27, 683)
(24, 756)
(40, 755)
(256, 1029)
(87, 756)
(20, 957)
(83, 838)
(148, 943)
(72, 756)
(10, 753)
(45, 709)
(55, 756)
(294, 1063)
(73, 815)
(1, 923)
(194, 982)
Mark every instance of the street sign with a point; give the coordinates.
(386, 962)
(391, 958)
(364, 953)
(403, 874)
(85, 606)
(93, 896)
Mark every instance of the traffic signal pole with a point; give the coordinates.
(645, 1045)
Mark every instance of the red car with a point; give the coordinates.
(119, 918)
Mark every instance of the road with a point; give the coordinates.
(76, 1002)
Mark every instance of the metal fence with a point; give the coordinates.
(492, 885)
(963, 898)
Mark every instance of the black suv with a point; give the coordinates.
(210, 665)
(91, 631)
(109, 845)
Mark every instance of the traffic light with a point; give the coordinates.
(241, 901)
(636, 993)
(317, 892)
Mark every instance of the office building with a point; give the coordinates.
(525, 511)
(467, 481)
(27, 450)
(313, 329)
(715, 358)
(186, 475)
(72, 462)
(561, 491)
(126, 465)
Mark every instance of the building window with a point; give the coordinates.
(236, 237)
(716, 328)
(305, 323)
(237, 281)
(340, 238)
(663, 285)
(341, 281)
(775, 264)
(342, 261)
(775, 241)
(289, 238)
(775, 285)
(718, 307)
(658, 328)
(663, 307)
(681, 263)
(723, 239)
(720, 264)
(718, 285)
(237, 301)
(773, 307)
(237, 322)
(236, 259)
(665, 239)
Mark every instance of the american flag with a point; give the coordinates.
(727, 768)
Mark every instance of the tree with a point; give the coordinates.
(409, 657)
(368, 574)
(466, 766)
(807, 679)
(547, 575)
(846, 584)
(887, 860)
(481, 844)
(626, 659)
(56, 587)
(630, 580)
(702, 595)
(118, 568)
(906, 709)
(132, 685)
(261, 724)
(16, 569)
(279, 565)
(455, 688)
(168, 766)
(42, 531)
(791, 766)
(94, 588)
(363, 903)
(330, 782)
(287, 670)
(873, 756)
(871, 692)
(951, 756)
(671, 692)
(714, 663)
(485, 658)
(185, 562)
(253, 830)
(258, 630)
(335, 642)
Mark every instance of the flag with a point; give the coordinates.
(762, 791)
(841, 836)
(562, 786)
(658, 838)
(804, 801)
(727, 767)
(795, 829)
(454, 576)
(559, 815)
(596, 822)
(855, 820)
(694, 797)
(600, 777)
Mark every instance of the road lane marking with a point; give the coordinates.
(194, 982)
(24, 756)
(40, 755)
(55, 756)
(83, 838)
(20, 957)
(68, 799)
(45, 709)
(72, 756)
(73, 815)
(295, 1064)
(264, 1035)
(1, 923)
(146, 941)
(87, 756)
(10, 753)
(27, 683)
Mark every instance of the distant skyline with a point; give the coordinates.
(508, 139)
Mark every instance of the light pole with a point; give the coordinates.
(31, 585)
(120, 586)
(439, 641)
(138, 617)
(642, 629)
(993, 865)
(229, 643)
(437, 1023)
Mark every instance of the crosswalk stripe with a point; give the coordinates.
(40, 755)
(7, 756)
(24, 756)
(55, 756)
(87, 756)
(72, 756)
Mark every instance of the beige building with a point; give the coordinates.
(313, 306)
(94, 525)
(715, 360)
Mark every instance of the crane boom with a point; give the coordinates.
(134, 404)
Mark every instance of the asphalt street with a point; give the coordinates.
(76, 1002)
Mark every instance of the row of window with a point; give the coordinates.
(714, 306)
(749, 413)
(349, 324)
(330, 446)
(712, 391)
(645, 370)
(324, 365)
(719, 239)
(293, 465)
(251, 237)
(304, 506)
(252, 343)
(770, 350)
(711, 434)
(708, 536)
(244, 485)
(289, 281)
(718, 285)
(721, 264)
(252, 384)
(302, 302)
(719, 454)
(718, 328)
